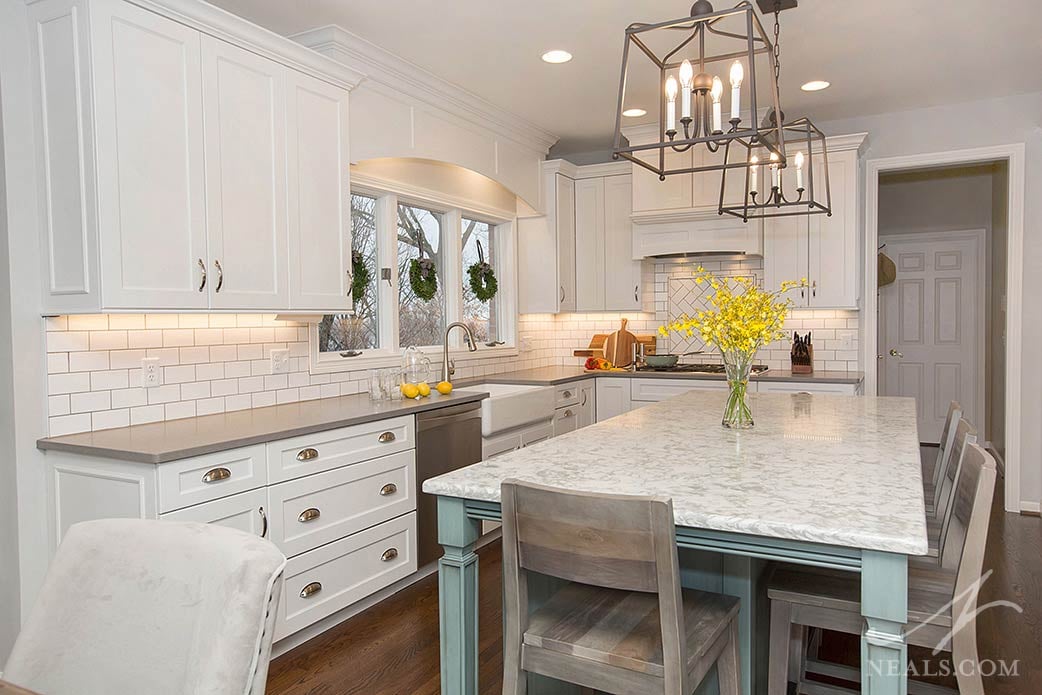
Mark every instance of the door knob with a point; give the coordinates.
(895, 353)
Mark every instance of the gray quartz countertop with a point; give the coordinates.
(840, 470)
(159, 442)
(563, 375)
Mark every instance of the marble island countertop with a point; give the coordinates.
(838, 470)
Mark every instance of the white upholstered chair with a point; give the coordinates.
(157, 607)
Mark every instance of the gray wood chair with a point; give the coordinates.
(622, 623)
(937, 523)
(934, 466)
(941, 599)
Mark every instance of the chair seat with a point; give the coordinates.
(622, 628)
(930, 590)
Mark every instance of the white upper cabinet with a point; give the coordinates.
(622, 274)
(319, 196)
(149, 129)
(820, 247)
(546, 246)
(589, 244)
(180, 171)
(566, 252)
(653, 195)
(245, 130)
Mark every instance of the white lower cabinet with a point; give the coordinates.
(327, 579)
(645, 391)
(613, 397)
(587, 402)
(566, 420)
(247, 511)
(808, 388)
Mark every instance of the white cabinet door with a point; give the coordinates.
(587, 402)
(319, 196)
(565, 188)
(652, 195)
(149, 134)
(655, 390)
(833, 269)
(785, 254)
(590, 244)
(537, 433)
(244, 104)
(807, 388)
(500, 444)
(613, 397)
(622, 278)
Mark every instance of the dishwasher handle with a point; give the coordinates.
(447, 416)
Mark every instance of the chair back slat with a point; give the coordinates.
(599, 540)
(963, 544)
(947, 441)
(964, 434)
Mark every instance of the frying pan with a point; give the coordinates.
(668, 360)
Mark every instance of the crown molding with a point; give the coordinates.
(404, 77)
(226, 26)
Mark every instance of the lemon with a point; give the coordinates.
(444, 388)
(410, 390)
(424, 388)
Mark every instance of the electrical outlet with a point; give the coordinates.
(526, 343)
(150, 372)
(280, 361)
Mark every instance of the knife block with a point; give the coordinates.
(803, 363)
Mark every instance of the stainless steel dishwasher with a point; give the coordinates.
(446, 439)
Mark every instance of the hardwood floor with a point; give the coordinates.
(392, 649)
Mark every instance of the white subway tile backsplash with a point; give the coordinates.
(178, 337)
(68, 424)
(58, 405)
(209, 406)
(108, 340)
(107, 419)
(146, 413)
(178, 410)
(68, 341)
(167, 393)
(125, 322)
(144, 339)
(68, 383)
(57, 362)
(89, 322)
(90, 401)
(153, 321)
(88, 361)
(129, 398)
(112, 379)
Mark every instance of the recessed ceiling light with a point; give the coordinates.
(557, 56)
(634, 113)
(815, 86)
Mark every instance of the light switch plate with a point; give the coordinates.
(150, 375)
(280, 361)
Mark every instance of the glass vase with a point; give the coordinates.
(737, 367)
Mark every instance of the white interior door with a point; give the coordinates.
(931, 326)
(245, 110)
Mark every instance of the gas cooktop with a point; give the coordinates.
(699, 368)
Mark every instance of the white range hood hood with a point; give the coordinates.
(695, 234)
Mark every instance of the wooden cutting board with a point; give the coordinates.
(618, 347)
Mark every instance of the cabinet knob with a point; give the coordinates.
(389, 554)
(388, 490)
(311, 589)
(308, 454)
(309, 514)
(216, 475)
(568, 413)
(387, 437)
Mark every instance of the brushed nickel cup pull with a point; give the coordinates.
(388, 489)
(389, 554)
(387, 437)
(311, 589)
(568, 413)
(309, 514)
(308, 454)
(264, 522)
(567, 394)
(216, 475)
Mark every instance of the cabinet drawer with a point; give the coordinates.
(325, 580)
(566, 420)
(502, 444)
(246, 511)
(566, 394)
(322, 451)
(539, 433)
(204, 478)
(318, 509)
(654, 390)
(805, 387)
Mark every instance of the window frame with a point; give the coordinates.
(452, 211)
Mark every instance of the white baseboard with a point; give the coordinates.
(298, 638)
(1028, 507)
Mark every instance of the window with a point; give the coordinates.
(390, 234)
(360, 331)
(478, 243)
(420, 321)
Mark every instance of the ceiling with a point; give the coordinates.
(879, 55)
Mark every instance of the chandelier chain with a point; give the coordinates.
(777, 45)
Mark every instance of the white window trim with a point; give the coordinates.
(388, 195)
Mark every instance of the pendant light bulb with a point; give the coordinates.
(718, 90)
(686, 73)
(737, 74)
(671, 88)
(799, 160)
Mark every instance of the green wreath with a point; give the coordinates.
(360, 276)
(482, 281)
(423, 278)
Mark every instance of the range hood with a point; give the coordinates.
(671, 236)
